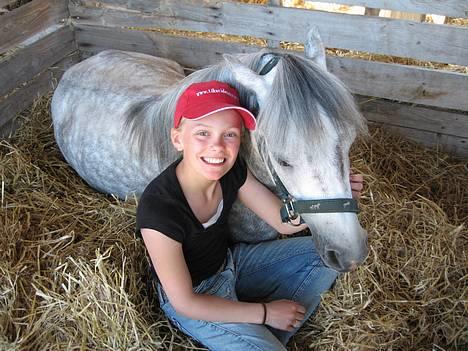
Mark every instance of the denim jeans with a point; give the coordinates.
(279, 269)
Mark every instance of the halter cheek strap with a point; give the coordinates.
(292, 208)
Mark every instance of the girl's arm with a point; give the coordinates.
(265, 204)
(168, 260)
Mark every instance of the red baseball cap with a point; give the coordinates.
(203, 99)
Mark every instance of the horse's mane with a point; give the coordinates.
(301, 91)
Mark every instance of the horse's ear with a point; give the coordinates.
(314, 48)
(249, 79)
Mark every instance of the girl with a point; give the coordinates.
(228, 297)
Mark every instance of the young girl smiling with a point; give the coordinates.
(227, 296)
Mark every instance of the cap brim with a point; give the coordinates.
(248, 118)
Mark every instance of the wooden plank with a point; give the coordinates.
(34, 17)
(189, 52)
(395, 82)
(446, 143)
(402, 83)
(23, 64)
(453, 8)
(423, 41)
(39, 86)
(196, 15)
(274, 44)
(415, 117)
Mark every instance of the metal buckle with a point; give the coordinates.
(291, 214)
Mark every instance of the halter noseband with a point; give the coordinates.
(292, 208)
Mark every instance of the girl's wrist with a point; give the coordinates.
(264, 317)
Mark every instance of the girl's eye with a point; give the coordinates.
(202, 133)
(231, 134)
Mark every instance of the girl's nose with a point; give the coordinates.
(217, 142)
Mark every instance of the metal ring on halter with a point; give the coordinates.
(289, 213)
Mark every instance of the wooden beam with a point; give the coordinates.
(446, 143)
(402, 83)
(390, 81)
(414, 117)
(189, 52)
(453, 8)
(274, 44)
(28, 20)
(423, 41)
(37, 87)
(23, 64)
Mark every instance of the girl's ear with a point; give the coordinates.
(176, 139)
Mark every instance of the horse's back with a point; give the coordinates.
(123, 72)
(89, 108)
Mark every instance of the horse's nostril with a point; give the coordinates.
(332, 258)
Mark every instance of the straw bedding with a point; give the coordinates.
(73, 275)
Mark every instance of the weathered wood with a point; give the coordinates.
(422, 41)
(454, 8)
(402, 83)
(189, 52)
(30, 19)
(274, 44)
(39, 86)
(415, 117)
(23, 64)
(447, 143)
(390, 81)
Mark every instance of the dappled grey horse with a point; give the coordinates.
(112, 115)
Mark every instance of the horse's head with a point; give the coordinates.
(307, 121)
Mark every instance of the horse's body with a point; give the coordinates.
(112, 115)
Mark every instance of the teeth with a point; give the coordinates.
(213, 160)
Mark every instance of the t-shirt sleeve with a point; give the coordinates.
(160, 214)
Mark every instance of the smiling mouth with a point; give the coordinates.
(213, 160)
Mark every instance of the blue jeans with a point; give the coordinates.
(272, 270)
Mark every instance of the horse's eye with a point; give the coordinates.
(283, 163)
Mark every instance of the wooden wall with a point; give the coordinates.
(36, 45)
(432, 104)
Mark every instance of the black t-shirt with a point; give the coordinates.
(163, 207)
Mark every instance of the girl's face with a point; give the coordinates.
(209, 145)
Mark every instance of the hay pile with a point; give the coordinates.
(73, 276)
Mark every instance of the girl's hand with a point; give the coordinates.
(284, 314)
(357, 185)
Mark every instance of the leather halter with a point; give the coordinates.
(292, 208)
